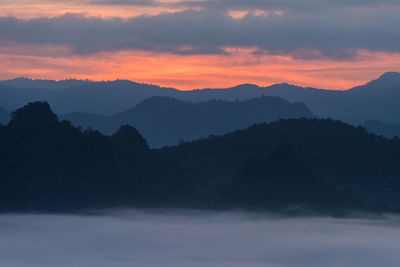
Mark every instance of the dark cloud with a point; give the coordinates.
(178, 239)
(295, 5)
(129, 2)
(328, 34)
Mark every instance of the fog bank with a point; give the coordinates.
(191, 239)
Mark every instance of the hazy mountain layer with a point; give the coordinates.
(94, 97)
(4, 116)
(376, 100)
(166, 121)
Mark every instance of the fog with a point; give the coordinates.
(191, 239)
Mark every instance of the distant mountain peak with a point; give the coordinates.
(245, 86)
(387, 82)
(285, 85)
(388, 79)
(390, 76)
(33, 114)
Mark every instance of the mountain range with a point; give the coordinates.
(377, 100)
(167, 121)
(319, 164)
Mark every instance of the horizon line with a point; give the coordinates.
(194, 89)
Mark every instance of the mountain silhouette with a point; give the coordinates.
(4, 116)
(388, 82)
(22, 83)
(103, 98)
(166, 121)
(47, 164)
(31, 116)
(376, 100)
(345, 156)
(323, 165)
(385, 129)
(281, 180)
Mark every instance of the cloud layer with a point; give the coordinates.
(201, 43)
(297, 5)
(305, 29)
(182, 239)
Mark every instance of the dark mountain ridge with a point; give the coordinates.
(346, 156)
(385, 129)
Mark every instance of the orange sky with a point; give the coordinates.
(238, 66)
(193, 71)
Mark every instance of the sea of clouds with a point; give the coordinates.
(193, 239)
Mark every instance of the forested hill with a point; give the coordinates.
(387, 130)
(345, 156)
(322, 165)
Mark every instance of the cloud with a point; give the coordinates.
(336, 34)
(28, 9)
(294, 5)
(195, 239)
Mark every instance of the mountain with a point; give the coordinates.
(80, 96)
(281, 180)
(166, 121)
(377, 100)
(4, 116)
(47, 164)
(385, 129)
(345, 156)
(22, 83)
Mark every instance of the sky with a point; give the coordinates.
(188, 44)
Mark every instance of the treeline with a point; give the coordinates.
(322, 165)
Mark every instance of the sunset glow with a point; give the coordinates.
(155, 55)
(194, 71)
(28, 9)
